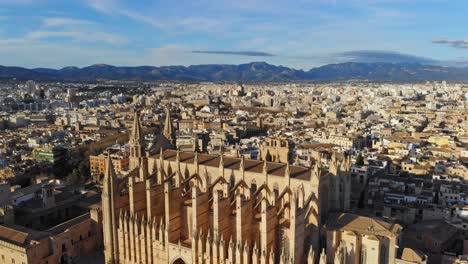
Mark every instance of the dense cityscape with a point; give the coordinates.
(233, 132)
(176, 172)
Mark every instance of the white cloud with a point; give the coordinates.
(61, 21)
(33, 55)
(84, 36)
(112, 7)
(74, 29)
(77, 30)
(455, 43)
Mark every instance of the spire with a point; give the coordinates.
(195, 162)
(178, 156)
(168, 128)
(161, 156)
(121, 219)
(109, 176)
(108, 209)
(208, 244)
(323, 257)
(136, 136)
(221, 159)
(339, 255)
(287, 171)
(195, 159)
(311, 256)
(143, 172)
(136, 143)
(242, 166)
(272, 256)
(221, 165)
(160, 167)
(317, 169)
(265, 167)
(333, 165)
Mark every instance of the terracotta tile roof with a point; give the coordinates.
(362, 224)
(13, 236)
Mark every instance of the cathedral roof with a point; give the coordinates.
(362, 225)
(256, 166)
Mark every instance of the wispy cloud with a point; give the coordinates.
(112, 7)
(459, 44)
(61, 21)
(379, 56)
(84, 36)
(239, 53)
(77, 30)
(172, 25)
(179, 54)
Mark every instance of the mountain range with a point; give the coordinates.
(250, 72)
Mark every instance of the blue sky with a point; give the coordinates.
(294, 33)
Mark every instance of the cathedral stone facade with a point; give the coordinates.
(185, 207)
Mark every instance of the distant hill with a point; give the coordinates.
(255, 71)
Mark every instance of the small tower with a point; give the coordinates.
(168, 128)
(108, 211)
(136, 143)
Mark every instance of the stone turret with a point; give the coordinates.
(169, 132)
(136, 143)
(108, 207)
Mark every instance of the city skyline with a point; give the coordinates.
(306, 34)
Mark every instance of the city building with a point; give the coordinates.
(185, 207)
